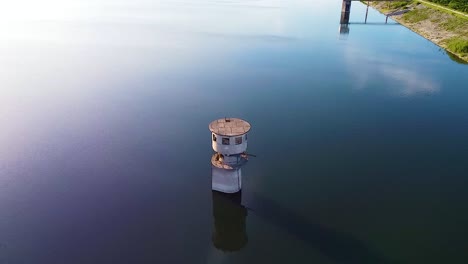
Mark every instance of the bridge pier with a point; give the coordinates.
(345, 12)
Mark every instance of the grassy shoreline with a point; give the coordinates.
(447, 30)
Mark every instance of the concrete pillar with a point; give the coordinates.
(345, 12)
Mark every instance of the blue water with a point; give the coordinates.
(105, 150)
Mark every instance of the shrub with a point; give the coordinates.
(458, 45)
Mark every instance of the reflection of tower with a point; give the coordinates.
(229, 140)
(229, 215)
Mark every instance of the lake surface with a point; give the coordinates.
(361, 139)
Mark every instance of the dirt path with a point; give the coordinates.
(443, 7)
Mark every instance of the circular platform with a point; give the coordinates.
(217, 161)
(230, 127)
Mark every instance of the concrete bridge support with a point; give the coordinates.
(345, 11)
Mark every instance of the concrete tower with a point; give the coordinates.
(229, 141)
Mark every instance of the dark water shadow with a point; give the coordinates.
(455, 58)
(229, 233)
(338, 246)
(452, 56)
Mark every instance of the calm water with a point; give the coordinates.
(104, 145)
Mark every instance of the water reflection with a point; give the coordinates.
(97, 106)
(346, 13)
(405, 81)
(338, 246)
(344, 28)
(230, 235)
(411, 82)
(229, 215)
(454, 57)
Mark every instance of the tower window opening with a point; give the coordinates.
(238, 140)
(225, 141)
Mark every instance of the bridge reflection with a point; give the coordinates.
(346, 12)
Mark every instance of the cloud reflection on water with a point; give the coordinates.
(410, 82)
(404, 80)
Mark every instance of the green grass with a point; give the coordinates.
(417, 15)
(455, 24)
(399, 4)
(444, 10)
(459, 5)
(458, 45)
